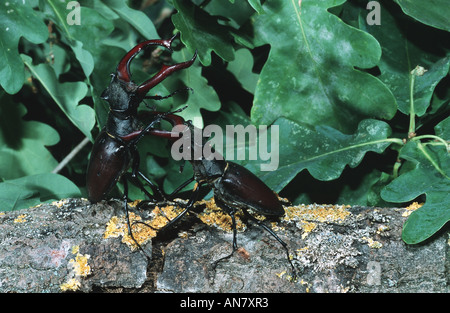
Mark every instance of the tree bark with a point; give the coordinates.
(73, 245)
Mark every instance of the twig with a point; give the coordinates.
(71, 155)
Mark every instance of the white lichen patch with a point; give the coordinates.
(60, 203)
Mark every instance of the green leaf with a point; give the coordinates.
(84, 57)
(311, 74)
(204, 96)
(241, 67)
(66, 95)
(424, 85)
(430, 176)
(17, 20)
(443, 129)
(401, 54)
(367, 190)
(322, 150)
(256, 4)
(136, 18)
(84, 39)
(434, 13)
(29, 191)
(23, 143)
(202, 32)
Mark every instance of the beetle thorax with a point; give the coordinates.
(208, 170)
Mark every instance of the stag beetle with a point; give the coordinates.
(235, 187)
(114, 149)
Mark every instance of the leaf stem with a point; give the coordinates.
(417, 71)
(71, 155)
(445, 143)
(412, 113)
(432, 161)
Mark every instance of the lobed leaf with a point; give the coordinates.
(31, 190)
(66, 95)
(323, 150)
(203, 96)
(83, 38)
(136, 18)
(434, 13)
(311, 74)
(23, 143)
(401, 54)
(241, 67)
(202, 32)
(430, 176)
(17, 20)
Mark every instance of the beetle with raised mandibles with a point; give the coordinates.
(114, 149)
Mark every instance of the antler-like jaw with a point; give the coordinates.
(139, 91)
(123, 68)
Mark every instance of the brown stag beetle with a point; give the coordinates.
(234, 186)
(114, 150)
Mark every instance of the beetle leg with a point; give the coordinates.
(135, 137)
(134, 174)
(171, 195)
(270, 231)
(179, 216)
(130, 231)
(189, 206)
(231, 211)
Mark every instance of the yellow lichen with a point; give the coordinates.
(72, 284)
(307, 228)
(75, 249)
(80, 268)
(281, 274)
(20, 218)
(114, 228)
(305, 283)
(80, 265)
(301, 250)
(288, 277)
(60, 203)
(142, 233)
(134, 203)
(317, 213)
(275, 227)
(382, 228)
(213, 215)
(373, 243)
(183, 234)
(411, 208)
